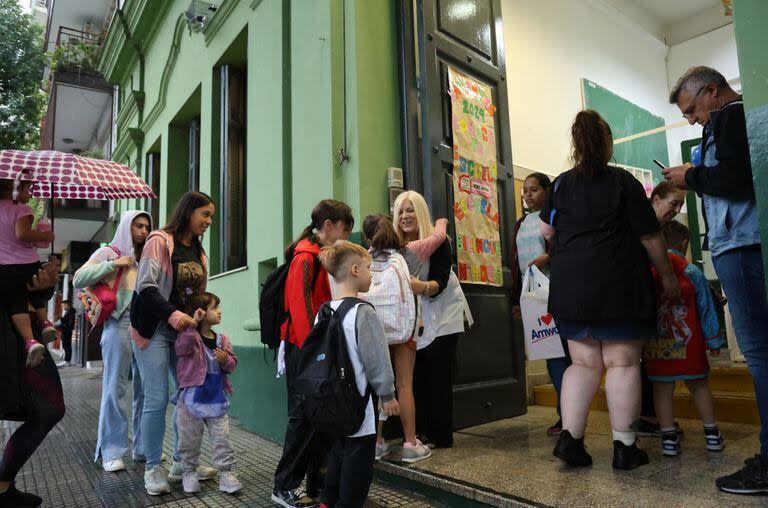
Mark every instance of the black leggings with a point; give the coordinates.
(41, 408)
(433, 379)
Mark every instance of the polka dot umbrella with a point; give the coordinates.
(69, 176)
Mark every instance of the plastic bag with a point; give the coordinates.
(542, 338)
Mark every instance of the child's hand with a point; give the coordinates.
(49, 236)
(220, 355)
(390, 408)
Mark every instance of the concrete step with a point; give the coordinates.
(732, 389)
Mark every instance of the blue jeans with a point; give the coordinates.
(118, 363)
(157, 364)
(743, 279)
(556, 370)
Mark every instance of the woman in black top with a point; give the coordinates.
(604, 233)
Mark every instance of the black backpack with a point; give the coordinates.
(272, 313)
(325, 380)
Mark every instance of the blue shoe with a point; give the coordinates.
(715, 441)
(670, 446)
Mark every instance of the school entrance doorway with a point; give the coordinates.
(440, 39)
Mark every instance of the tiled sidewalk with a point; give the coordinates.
(63, 472)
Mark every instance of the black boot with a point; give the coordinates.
(572, 450)
(628, 457)
(18, 499)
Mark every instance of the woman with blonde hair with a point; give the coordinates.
(444, 309)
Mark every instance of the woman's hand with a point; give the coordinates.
(671, 288)
(418, 286)
(390, 408)
(46, 277)
(184, 323)
(220, 356)
(123, 262)
(541, 262)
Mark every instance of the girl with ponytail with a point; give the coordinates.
(386, 244)
(307, 288)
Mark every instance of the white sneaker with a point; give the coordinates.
(415, 453)
(155, 482)
(111, 466)
(190, 482)
(382, 450)
(203, 472)
(137, 457)
(229, 483)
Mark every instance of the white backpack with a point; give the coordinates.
(391, 296)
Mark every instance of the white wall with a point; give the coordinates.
(715, 49)
(552, 44)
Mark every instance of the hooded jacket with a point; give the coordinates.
(724, 181)
(154, 283)
(305, 292)
(100, 267)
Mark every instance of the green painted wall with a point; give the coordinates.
(751, 41)
(322, 75)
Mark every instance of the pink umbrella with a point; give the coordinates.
(75, 177)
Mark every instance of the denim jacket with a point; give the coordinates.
(724, 180)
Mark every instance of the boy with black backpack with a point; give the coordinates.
(352, 335)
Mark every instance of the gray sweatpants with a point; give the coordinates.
(191, 439)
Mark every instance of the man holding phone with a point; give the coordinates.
(724, 181)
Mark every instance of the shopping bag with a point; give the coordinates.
(542, 339)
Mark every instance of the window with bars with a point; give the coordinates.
(232, 178)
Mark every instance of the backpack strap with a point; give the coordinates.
(346, 305)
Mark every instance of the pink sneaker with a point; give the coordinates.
(34, 351)
(47, 331)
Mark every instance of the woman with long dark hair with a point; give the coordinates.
(601, 289)
(172, 270)
(307, 288)
(116, 266)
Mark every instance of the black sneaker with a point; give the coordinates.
(572, 450)
(628, 457)
(290, 499)
(752, 479)
(15, 498)
(649, 429)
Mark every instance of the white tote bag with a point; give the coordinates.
(542, 339)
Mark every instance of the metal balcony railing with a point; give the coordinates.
(76, 51)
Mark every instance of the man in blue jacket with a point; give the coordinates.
(724, 181)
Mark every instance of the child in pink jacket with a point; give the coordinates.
(205, 358)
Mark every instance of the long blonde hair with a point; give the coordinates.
(426, 227)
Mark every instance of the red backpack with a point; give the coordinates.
(100, 300)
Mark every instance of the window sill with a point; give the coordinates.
(230, 272)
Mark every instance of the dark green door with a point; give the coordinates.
(467, 34)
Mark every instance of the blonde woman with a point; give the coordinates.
(444, 309)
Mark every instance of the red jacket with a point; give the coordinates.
(303, 299)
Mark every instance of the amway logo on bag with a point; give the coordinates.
(544, 321)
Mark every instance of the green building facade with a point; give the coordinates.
(303, 97)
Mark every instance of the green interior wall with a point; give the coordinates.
(299, 60)
(749, 18)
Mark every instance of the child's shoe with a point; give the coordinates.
(190, 482)
(414, 453)
(155, 482)
(34, 351)
(670, 444)
(713, 438)
(229, 483)
(382, 450)
(47, 331)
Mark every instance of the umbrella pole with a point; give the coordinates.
(51, 217)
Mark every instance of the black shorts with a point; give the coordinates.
(15, 295)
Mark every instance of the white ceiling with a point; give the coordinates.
(671, 12)
(78, 112)
(76, 14)
(72, 230)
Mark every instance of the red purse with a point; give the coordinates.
(100, 301)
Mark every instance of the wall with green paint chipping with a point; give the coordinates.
(322, 75)
(752, 40)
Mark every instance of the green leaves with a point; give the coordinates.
(21, 73)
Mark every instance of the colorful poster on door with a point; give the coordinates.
(475, 190)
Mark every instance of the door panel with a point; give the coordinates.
(490, 377)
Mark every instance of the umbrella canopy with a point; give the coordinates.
(74, 177)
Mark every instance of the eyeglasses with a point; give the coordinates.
(689, 110)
